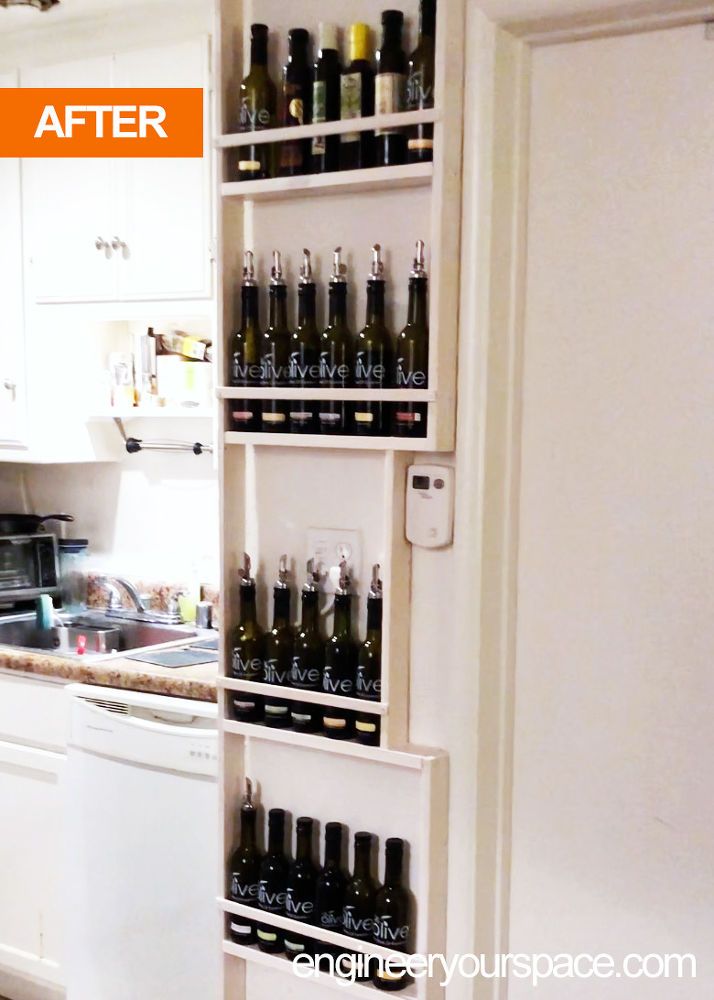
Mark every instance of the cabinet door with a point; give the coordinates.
(166, 226)
(30, 862)
(70, 205)
(13, 412)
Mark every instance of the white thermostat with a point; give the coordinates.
(430, 505)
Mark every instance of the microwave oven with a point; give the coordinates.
(28, 567)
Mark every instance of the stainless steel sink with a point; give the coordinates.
(103, 635)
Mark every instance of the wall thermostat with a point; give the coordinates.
(430, 505)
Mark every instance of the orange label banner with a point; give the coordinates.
(102, 121)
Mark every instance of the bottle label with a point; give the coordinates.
(243, 892)
(249, 166)
(275, 672)
(335, 686)
(270, 937)
(241, 929)
(330, 419)
(331, 920)
(332, 374)
(304, 676)
(301, 371)
(270, 372)
(420, 144)
(389, 96)
(420, 93)
(409, 379)
(298, 909)
(388, 935)
(355, 926)
(364, 417)
(252, 119)
(350, 102)
(319, 114)
(244, 372)
(407, 416)
(248, 668)
(368, 373)
(368, 687)
(273, 902)
(273, 417)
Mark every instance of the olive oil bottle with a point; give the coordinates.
(412, 362)
(257, 108)
(420, 85)
(244, 870)
(391, 90)
(374, 356)
(244, 352)
(275, 352)
(360, 894)
(326, 99)
(296, 104)
(340, 661)
(304, 368)
(300, 895)
(247, 650)
(279, 650)
(392, 918)
(357, 100)
(272, 889)
(308, 656)
(369, 664)
(336, 353)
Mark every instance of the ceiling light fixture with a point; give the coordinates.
(37, 4)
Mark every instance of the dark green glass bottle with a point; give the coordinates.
(304, 369)
(244, 352)
(391, 90)
(296, 104)
(244, 870)
(420, 85)
(368, 686)
(331, 883)
(326, 99)
(336, 353)
(392, 918)
(247, 651)
(300, 895)
(374, 356)
(412, 363)
(279, 650)
(357, 99)
(308, 656)
(273, 884)
(257, 108)
(275, 354)
(340, 662)
(360, 894)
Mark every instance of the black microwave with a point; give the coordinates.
(28, 567)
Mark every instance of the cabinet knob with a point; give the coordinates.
(101, 244)
(120, 245)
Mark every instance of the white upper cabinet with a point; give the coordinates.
(13, 408)
(121, 229)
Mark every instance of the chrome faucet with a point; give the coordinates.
(140, 612)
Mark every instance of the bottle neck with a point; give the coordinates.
(281, 607)
(374, 615)
(249, 304)
(303, 848)
(392, 36)
(338, 303)
(343, 614)
(427, 19)
(417, 313)
(297, 53)
(393, 868)
(276, 836)
(306, 305)
(247, 828)
(258, 52)
(375, 302)
(362, 861)
(247, 604)
(278, 305)
(309, 610)
(333, 851)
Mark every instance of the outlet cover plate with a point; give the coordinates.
(328, 546)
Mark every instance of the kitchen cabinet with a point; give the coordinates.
(116, 229)
(13, 409)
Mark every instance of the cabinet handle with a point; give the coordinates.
(118, 245)
(101, 244)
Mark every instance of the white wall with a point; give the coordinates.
(613, 808)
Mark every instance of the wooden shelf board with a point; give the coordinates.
(402, 119)
(334, 441)
(160, 413)
(373, 395)
(310, 697)
(411, 757)
(407, 176)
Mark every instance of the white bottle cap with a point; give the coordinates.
(327, 35)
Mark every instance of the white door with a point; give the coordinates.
(13, 411)
(70, 206)
(166, 224)
(30, 862)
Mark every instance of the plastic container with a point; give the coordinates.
(73, 573)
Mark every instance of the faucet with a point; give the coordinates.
(140, 612)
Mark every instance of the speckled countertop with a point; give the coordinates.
(197, 682)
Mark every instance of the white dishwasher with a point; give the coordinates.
(141, 879)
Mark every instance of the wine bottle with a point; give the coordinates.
(331, 883)
(244, 352)
(257, 108)
(360, 894)
(391, 89)
(369, 664)
(304, 369)
(296, 104)
(275, 350)
(247, 650)
(420, 85)
(300, 896)
(391, 919)
(244, 870)
(336, 353)
(340, 661)
(412, 365)
(326, 99)
(279, 650)
(374, 360)
(357, 100)
(308, 656)
(272, 888)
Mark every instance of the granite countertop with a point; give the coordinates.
(198, 682)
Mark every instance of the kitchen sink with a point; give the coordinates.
(103, 635)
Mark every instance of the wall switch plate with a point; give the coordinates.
(328, 546)
(430, 505)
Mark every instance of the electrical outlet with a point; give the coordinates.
(328, 546)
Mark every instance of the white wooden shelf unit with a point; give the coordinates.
(270, 496)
